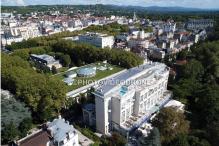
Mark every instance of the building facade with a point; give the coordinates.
(125, 101)
(97, 39)
(195, 24)
(89, 114)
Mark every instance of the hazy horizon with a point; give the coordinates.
(203, 4)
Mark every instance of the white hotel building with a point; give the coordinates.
(125, 106)
(97, 39)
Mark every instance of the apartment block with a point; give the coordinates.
(126, 101)
(97, 39)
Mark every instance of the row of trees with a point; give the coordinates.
(43, 94)
(82, 53)
(111, 29)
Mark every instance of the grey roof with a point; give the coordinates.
(89, 107)
(86, 71)
(45, 57)
(109, 84)
(59, 129)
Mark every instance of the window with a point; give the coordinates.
(141, 98)
(123, 117)
(132, 109)
(141, 106)
(127, 113)
(123, 106)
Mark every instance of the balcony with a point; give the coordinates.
(136, 121)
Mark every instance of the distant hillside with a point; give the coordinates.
(167, 9)
(175, 9)
(103, 8)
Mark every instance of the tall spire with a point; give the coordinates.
(134, 17)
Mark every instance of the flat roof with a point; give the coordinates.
(94, 34)
(45, 57)
(112, 82)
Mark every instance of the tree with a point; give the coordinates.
(182, 54)
(23, 53)
(82, 53)
(193, 69)
(195, 141)
(180, 140)
(54, 70)
(25, 126)
(9, 133)
(45, 110)
(148, 29)
(153, 138)
(65, 60)
(117, 140)
(170, 123)
(44, 95)
(205, 106)
(213, 131)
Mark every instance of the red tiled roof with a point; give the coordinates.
(181, 62)
(39, 139)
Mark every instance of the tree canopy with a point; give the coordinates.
(39, 91)
(170, 123)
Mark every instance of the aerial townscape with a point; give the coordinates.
(106, 73)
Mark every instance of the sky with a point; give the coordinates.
(206, 4)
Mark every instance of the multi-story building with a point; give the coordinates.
(126, 101)
(123, 37)
(97, 39)
(45, 61)
(25, 32)
(156, 53)
(56, 133)
(88, 22)
(7, 41)
(75, 23)
(140, 43)
(169, 27)
(195, 24)
(62, 133)
(139, 40)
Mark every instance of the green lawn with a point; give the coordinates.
(82, 81)
(63, 69)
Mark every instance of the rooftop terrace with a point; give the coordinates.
(128, 75)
